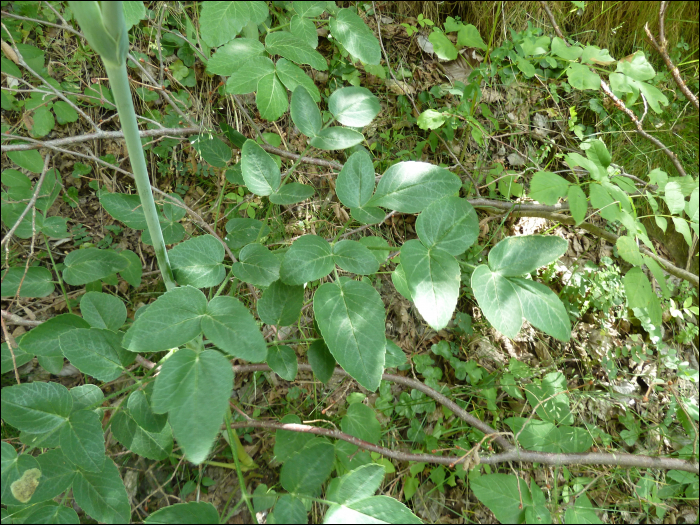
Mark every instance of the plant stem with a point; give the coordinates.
(232, 438)
(119, 81)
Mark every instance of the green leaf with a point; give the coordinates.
(598, 153)
(349, 29)
(134, 12)
(91, 264)
(20, 357)
(526, 67)
(321, 360)
(578, 203)
(394, 355)
(139, 408)
(516, 256)
(368, 215)
(36, 407)
(560, 49)
(580, 77)
(220, 22)
(227, 59)
(443, 47)
(502, 494)
(595, 55)
(64, 113)
(291, 193)
(30, 160)
(260, 172)
(96, 352)
(377, 509)
(398, 278)
(356, 485)
(37, 281)
(498, 300)
(355, 183)
(605, 202)
(637, 288)
(43, 122)
(246, 77)
(450, 224)
(20, 475)
(43, 340)
(305, 30)
(132, 273)
(83, 440)
(102, 494)
(335, 138)
(353, 106)
(542, 308)
(287, 442)
(581, 512)
(212, 149)
(552, 388)
(361, 422)
(305, 113)
(433, 278)
(353, 257)
(102, 310)
(295, 49)
(283, 361)
(192, 512)
(289, 510)
(409, 187)
(309, 258)
(57, 475)
(673, 195)
(431, 119)
(658, 274)
(173, 319)
(271, 98)
(636, 66)
(305, 471)
(194, 388)
(244, 231)
(125, 208)
(350, 315)
(547, 187)
(257, 265)
(151, 445)
(232, 328)
(629, 251)
(469, 36)
(281, 304)
(378, 246)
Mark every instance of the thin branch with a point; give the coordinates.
(512, 453)
(93, 136)
(17, 320)
(662, 48)
(31, 202)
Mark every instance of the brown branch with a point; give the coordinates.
(17, 320)
(662, 48)
(511, 453)
(553, 21)
(95, 136)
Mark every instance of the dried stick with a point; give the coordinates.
(661, 47)
(512, 453)
(620, 104)
(31, 202)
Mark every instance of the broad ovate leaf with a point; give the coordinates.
(410, 187)
(336, 138)
(450, 224)
(170, 321)
(194, 388)
(354, 257)
(309, 258)
(547, 187)
(305, 113)
(198, 262)
(232, 328)
(260, 172)
(498, 300)
(291, 193)
(353, 106)
(516, 256)
(433, 278)
(355, 183)
(542, 308)
(281, 304)
(355, 36)
(220, 22)
(271, 98)
(350, 315)
(257, 265)
(294, 49)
